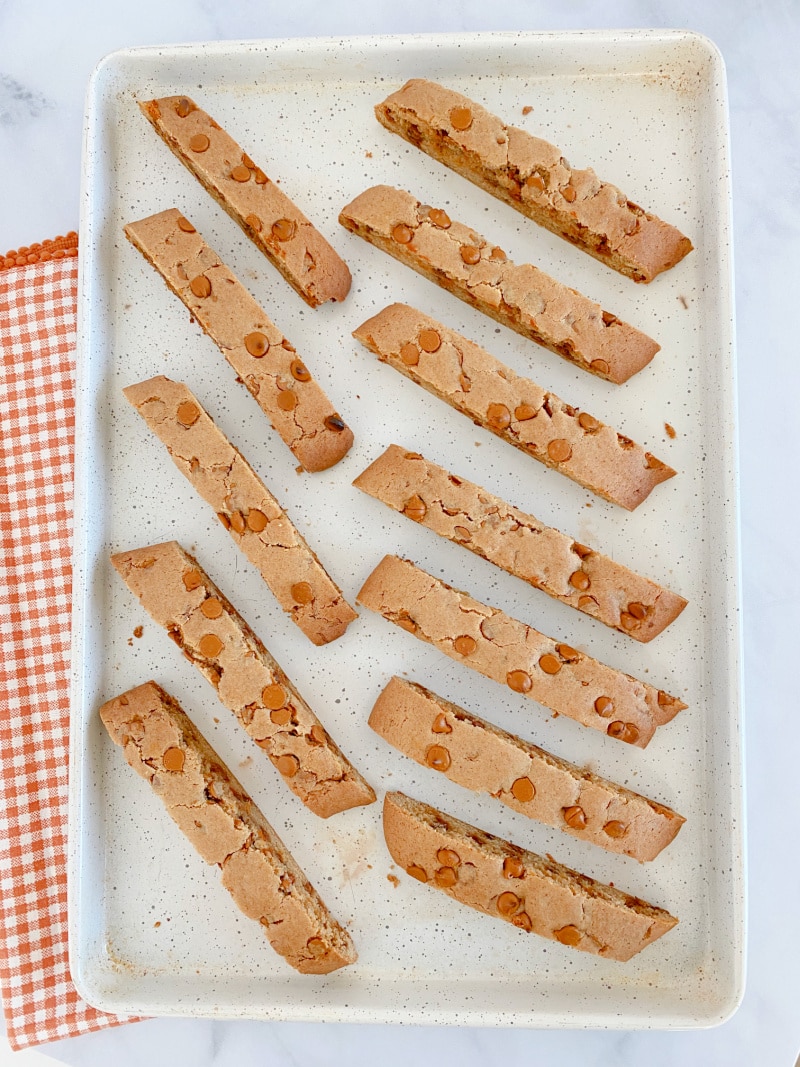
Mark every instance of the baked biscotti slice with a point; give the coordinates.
(265, 213)
(178, 594)
(489, 393)
(514, 654)
(534, 177)
(523, 546)
(249, 512)
(263, 359)
(498, 878)
(479, 756)
(521, 297)
(220, 820)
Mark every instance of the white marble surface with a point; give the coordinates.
(47, 51)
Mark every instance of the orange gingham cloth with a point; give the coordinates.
(38, 295)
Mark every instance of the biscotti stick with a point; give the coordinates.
(514, 654)
(244, 506)
(523, 546)
(473, 382)
(220, 820)
(263, 359)
(265, 213)
(532, 176)
(481, 757)
(521, 297)
(537, 895)
(177, 593)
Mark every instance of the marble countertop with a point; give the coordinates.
(47, 52)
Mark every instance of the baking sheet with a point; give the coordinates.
(151, 929)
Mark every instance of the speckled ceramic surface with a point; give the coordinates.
(152, 929)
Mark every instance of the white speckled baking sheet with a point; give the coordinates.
(152, 930)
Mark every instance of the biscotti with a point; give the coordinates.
(489, 393)
(265, 213)
(534, 177)
(475, 754)
(263, 359)
(220, 820)
(521, 297)
(177, 593)
(523, 546)
(244, 506)
(536, 895)
(514, 654)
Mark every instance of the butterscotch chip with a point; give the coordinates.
(498, 255)
(192, 579)
(287, 400)
(210, 645)
(253, 222)
(439, 218)
(240, 173)
(486, 759)
(199, 143)
(639, 611)
(173, 759)
(300, 371)
(523, 790)
(402, 233)
(441, 725)
(445, 877)
(519, 681)
(588, 422)
(520, 296)
(256, 344)
(625, 731)
(461, 118)
(580, 580)
(253, 346)
(407, 624)
(429, 341)
(513, 651)
(417, 872)
(575, 817)
(567, 652)
(183, 106)
(614, 828)
(256, 520)
(281, 716)
(498, 416)
(461, 533)
(523, 921)
(409, 354)
(317, 734)
(472, 381)
(221, 475)
(283, 229)
(604, 706)
(508, 904)
(549, 664)
(273, 697)
(627, 621)
(288, 765)
(559, 450)
(185, 225)
(568, 935)
(515, 166)
(437, 757)
(187, 413)
(220, 820)
(200, 286)
(211, 608)
(448, 858)
(465, 645)
(600, 366)
(337, 424)
(415, 508)
(302, 593)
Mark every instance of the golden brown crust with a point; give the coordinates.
(533, 177)
(486, 759)
(263, 359)
(178, 594)
(500, 879)
(514, 654)
(539, 423)
(249, 512)
(521, 297)
(215, 813)
(265, 213)
(523, 546)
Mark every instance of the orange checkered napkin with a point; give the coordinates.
(38, 292)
